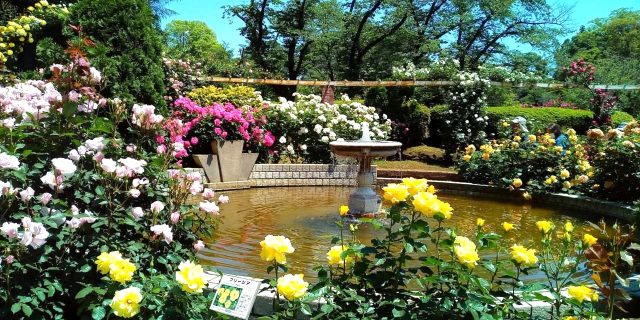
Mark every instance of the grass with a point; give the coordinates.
(410, 165)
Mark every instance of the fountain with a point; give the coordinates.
(364, 200)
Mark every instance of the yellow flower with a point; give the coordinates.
(424, 202)
(234, 295)
(190, 276)
(582, 293)
(486, 156)
(470, 149)
(568, 226)
(505, 124)
(292, 287)
(344, 210)
(589, 240)
(126, 302)
(526, 196)
(523, 256)
(105, 259)
(465, 251)
(532, 138)
(551, 180)
(570, 318)
(275, 247)
(415, 185)
(334, 256)
(466, 158)
(507, 226)
(517, 138)
(565, 174)
(567, 185)
(516, 182)
(394, 193)
(480, 222)
(121, 270)
(444, 210)
(545, 226)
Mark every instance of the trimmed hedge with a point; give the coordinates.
(426, 154)
(619, 117)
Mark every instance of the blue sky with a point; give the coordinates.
(211, 12)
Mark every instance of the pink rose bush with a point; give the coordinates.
(80, 177)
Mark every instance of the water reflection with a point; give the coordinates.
(306, 215)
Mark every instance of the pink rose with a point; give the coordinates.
(199, 245)
(175, 217)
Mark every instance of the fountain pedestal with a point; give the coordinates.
(364, 200)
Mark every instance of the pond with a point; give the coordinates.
(307, 216)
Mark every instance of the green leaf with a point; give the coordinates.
(15, 307)
(398, 313)
(68, 109)
(85, 268)
(98, 313)
(27, 310)
(84, 292)
(100, 190)
(41, 295)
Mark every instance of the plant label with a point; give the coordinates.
(235, 296)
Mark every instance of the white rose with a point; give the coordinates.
(108, 165)
(64, 166)
(8, 161)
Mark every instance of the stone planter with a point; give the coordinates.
(227, 163)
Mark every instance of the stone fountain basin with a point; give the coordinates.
(371, 149)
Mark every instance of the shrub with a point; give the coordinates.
(237, 95)
(538, 119)
(130, 58)
(180, 77)
(425, 154)
(618, 117)
(90, 215)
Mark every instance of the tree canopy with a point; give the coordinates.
(195, 41)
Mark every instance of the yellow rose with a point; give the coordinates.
(105, 259)
(394, 193)
(532, 138)
(505, 124)
(545, 226)
(507, 226)
(551, 180)
(334, 256)
(344, 210)
(589, 240)
(567, 185)
(466, 158)
(570, 318)
(444, 210)
(523, 256)
(582, 293)
(486, 156)
(126, 302)
(415, 185)
(424, 202)
(517, 138)
(480, 222)
(190, 276)
(465, 251)
(516, 182)
(292, 287)
(526, 196)
(275, 248)
(470, 149)
(121, 270)
(564, 174)
(568, 226)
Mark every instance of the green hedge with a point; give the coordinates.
(538, 119)
(619, 117)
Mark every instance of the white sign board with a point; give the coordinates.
(235, 296)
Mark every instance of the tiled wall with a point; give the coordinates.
(304, 175)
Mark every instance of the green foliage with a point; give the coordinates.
(425, 154)
(538, 119)
(130, 58)
(618, 117)
(194, 41)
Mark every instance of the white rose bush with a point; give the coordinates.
(94, 221)
(305, 127)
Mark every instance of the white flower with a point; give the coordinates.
(9, 123)
(64, 166)
(157, 206)
(317, 128)
(290, 149)
(195, 188)
(74, 155)
(303, 147)
(35, 235)
(134, 193)
(209, 207)
(164, 230)
(49, 179)
(108, 165)
(325, 139)
(208, 193)
(133, 165)
(10, 229)
(8, 161)
(27, 194)
(282, 140)
(223, 199)
(137, 212)
(95, 145)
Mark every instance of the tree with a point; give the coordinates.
(130, 58)
(195, 41)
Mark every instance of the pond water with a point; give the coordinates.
(307, 216)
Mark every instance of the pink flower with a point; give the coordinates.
(161, 149)
(35, 235)
(195, 188)
(10, 229)
(175, 217)
(98, 157)
(223, 199)
(209, 207)
(194, 141)
(27, 194)
(199, 245)
(108, 165)
(8, 161)
(137, 212)
(134, 193)
(45, 198)
(131, 148)
(9, 259)
(157, 206)
(74, 155)
(208, 194)
(165, 231)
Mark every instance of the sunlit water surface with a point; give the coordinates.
(307, 216)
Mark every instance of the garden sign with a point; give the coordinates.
(235, 296)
